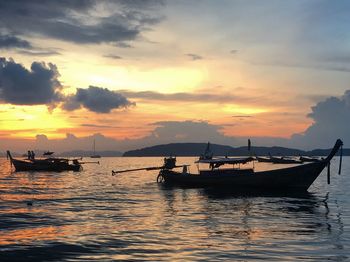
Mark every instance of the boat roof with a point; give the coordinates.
(226, 160)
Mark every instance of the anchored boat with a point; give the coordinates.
(295, 178)
(48, 164)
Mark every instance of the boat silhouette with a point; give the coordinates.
(297, 178)
(46, 164)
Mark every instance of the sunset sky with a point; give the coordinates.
(134, 73)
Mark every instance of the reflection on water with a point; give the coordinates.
(93, 216)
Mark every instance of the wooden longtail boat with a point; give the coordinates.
(48, 164)
(295, 178)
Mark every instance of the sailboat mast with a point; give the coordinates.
(94, 148)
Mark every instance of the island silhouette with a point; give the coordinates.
(196, 149)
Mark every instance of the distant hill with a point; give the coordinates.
(196, 149)
(179, 149)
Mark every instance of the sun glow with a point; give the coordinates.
(235, 109)
(28, 121)
(164, 79)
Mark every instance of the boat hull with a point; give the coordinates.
(298, 178)
(44, 166)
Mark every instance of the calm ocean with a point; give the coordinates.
(93, 216)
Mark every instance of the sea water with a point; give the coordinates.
(94, 216)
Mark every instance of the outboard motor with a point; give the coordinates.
(169, 162)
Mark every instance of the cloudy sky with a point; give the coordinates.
(133, 73)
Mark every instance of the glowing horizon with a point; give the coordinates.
(222, 68)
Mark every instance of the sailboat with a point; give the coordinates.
(95, 155)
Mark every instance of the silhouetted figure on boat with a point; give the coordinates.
(31, 155)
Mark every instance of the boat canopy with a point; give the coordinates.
(225, 160)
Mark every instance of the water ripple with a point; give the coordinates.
(92, 216)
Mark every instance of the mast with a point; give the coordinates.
(94, 155)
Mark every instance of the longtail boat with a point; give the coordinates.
(48, 153)
(296, 178)
(309, 159)
(47, 164)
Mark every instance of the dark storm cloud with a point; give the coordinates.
(76, 21)
(106, 31)
(40, 85)
(194, 57)
(21, 86)
(9, 41)
(96, 99)
(331, 121)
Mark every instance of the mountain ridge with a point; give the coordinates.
(196, 149)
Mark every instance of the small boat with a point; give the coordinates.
(47, 164)
(297, 178)
(308, 159)
(95, 155)
(48, 153)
